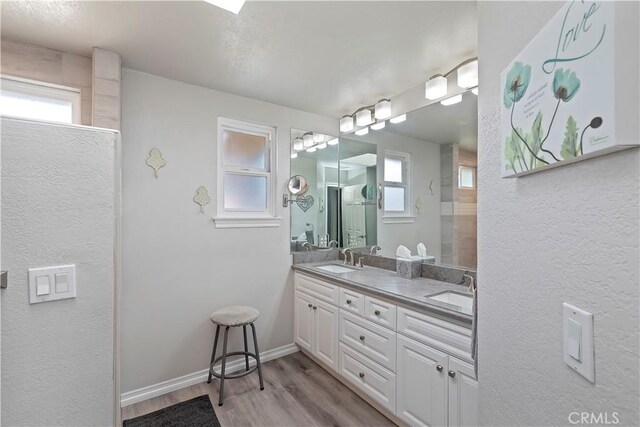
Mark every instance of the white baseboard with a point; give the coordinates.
(144, 393)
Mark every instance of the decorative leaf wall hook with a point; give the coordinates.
(430, 187)
(202, 198)
(419, 205)
(155, 160)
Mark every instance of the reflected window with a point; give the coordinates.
(466, 177)
(34, 100)
(396, 183)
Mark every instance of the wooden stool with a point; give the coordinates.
(230, 317)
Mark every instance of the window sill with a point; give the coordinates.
(398, 219)
(256, 222)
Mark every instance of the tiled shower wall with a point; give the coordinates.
(458, 209)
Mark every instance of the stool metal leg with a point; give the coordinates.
(255, 347)
(224, 363)
(213, 354)
(246, 349)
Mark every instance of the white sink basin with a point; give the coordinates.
(338, 269)
(464, 301)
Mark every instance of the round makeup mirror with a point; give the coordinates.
(298, 185)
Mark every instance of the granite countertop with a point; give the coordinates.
(385, 283)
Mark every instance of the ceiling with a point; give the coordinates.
(442, 124)
(323, 57)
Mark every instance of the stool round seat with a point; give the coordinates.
(237, 315)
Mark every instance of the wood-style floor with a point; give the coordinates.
(298, 392)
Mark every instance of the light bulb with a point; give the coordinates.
(308, 139)
(363, 117)
(346, 124)
(311, 150)
(435, 88)
(298, 144)
(452, 100)
(294, 155)
(378, 126)
(362, 131)
(318, 137)
(322, 146)
(383, 109)
(475, 91)
(468, 75)
(399, 119)
(333, 141)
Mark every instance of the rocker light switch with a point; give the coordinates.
(574, 339)
(43, 285)
(52, 283)
(578, 341)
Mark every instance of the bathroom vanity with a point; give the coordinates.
(407, 354)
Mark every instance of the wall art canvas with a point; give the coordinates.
(558, 94)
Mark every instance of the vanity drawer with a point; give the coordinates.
(375, 342)
(352, 301)
(367, 376)
(380, 312)
(317, 288)
(439, 333)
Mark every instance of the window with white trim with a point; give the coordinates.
(396, 187)
(30, 99)
(246, 178)
(466, 177)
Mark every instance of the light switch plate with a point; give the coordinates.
(52, 283)
(579, 353)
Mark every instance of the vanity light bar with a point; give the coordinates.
(367, 115)
(467, 76)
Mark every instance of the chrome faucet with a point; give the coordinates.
(333, 241)
(375, 249)
(307, 245)
(345, 252)
(472, 284)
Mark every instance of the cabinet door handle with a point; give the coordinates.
(348, 301)
(310, 305)
(361, 374)
(377, 312)
(361, 337)
(452, 374)
(315, 308)
(439, 368)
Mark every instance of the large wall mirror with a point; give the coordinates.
(315, 210)
(412, 181)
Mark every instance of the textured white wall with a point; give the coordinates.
(58, 208)
(177, 267)
(568, 234)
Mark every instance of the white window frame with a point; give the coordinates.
(473, 176)
(238, 218)
(396, 217)
(45, 90)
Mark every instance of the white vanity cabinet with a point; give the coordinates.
(415, 365)
(316, 319)
(422, 384)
